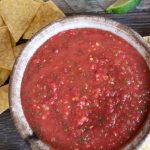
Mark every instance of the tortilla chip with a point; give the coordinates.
(6, 52)
(1, 22)
(18, 49)
(18, 14)
(4, 74)
(13, 43)
(147, 38)
(4, 104)
(47, 13)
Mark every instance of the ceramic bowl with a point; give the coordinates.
(140, 141)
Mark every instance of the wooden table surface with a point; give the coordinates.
(139, 20)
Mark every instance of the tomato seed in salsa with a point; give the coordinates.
(86, 89)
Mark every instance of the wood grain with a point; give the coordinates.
(145, 4)
(64, 6)
(79, 6)
(9, 138)
(84, 5)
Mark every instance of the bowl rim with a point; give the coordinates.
(25, 131)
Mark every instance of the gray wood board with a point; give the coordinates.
(10, 139)
(78, 6)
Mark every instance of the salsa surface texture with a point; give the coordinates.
(86, 89)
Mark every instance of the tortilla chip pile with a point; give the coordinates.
(19, 21)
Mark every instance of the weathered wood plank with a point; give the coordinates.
(78, 6)
(145, 4)
(84, 5)
(64, 6)
(9, 138)
(105, 3)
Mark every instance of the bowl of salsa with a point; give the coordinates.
(83, 83)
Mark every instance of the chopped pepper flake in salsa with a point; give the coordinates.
(86, 89)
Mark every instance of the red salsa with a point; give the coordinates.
(86, 89)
